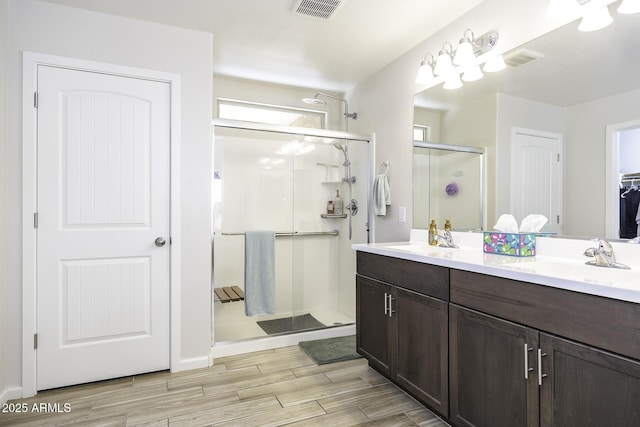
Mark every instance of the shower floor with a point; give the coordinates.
(231, 324)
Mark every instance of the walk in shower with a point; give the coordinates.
(278, 180)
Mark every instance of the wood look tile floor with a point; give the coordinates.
(281, 387)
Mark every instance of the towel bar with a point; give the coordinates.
(295, 233)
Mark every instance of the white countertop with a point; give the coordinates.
(564, 273)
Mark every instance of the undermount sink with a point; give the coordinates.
(419, 247)
(578, 271)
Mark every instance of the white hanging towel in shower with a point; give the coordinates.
(381, 194)
(259, 272)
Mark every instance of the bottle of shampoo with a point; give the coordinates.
(337, 204)
(330, 208)
(447, 224)
(433, 233)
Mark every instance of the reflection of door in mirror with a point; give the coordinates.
(536, 176)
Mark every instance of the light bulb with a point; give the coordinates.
(562, 9)
(629, 6)
(425, 73)
(443, 63)
(595, 20)
(472, 74)
(464, 53)
(453, 82)
(494, 64)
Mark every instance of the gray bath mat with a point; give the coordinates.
(331, 350)
(290, 324)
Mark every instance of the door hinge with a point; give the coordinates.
(35, 341)
(35, 220)
(557, 219)
(558, 156)
(35, 99)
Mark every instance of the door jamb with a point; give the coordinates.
(30, 62)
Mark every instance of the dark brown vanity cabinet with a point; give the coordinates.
(492, 379)
(486, 351)
(401, 328)
(503, 373)
(584, 386)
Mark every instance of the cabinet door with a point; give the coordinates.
(422, 348)
(373, 324)
(487, 371)
(587, 387)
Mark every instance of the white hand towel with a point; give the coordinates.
(381, 195)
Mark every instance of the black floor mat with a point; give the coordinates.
(290, 324)
(331, 350)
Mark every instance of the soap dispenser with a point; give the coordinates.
(433, 233)
(337, 204)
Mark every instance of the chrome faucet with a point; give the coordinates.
(603, 255)
(445, 239)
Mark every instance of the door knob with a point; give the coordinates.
(160, 242)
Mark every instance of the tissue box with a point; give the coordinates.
(513, 244)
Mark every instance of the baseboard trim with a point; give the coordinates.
(232, 348)
(192, 363)
(10, 394)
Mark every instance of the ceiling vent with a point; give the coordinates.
(521, 57)
(316, 8)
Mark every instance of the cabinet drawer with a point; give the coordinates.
(602, 322)
(426, 279)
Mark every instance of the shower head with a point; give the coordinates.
(314, 101)
(340, 147)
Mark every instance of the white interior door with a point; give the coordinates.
(536, 176)
(103, 200)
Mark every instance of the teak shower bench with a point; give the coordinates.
(228, 294)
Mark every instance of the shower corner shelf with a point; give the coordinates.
(333, 215)
(331, 182)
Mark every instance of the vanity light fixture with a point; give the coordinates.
(444, 63)
(450, 63)
(425, 72)
(629, 7)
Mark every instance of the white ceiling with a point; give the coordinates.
(262, 40)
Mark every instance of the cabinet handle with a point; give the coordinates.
(527, 369)
(540, 374)
(386, 301)
(391, 310)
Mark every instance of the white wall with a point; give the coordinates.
(385, 100)
(57, 30)
(4, 186)
(584, 177)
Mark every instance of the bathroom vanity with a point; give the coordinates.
(489, 340)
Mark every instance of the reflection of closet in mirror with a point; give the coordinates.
(448, 184)
(629, 179)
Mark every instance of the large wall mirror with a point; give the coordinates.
(580, 89)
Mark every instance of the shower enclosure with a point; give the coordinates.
(280, 179)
